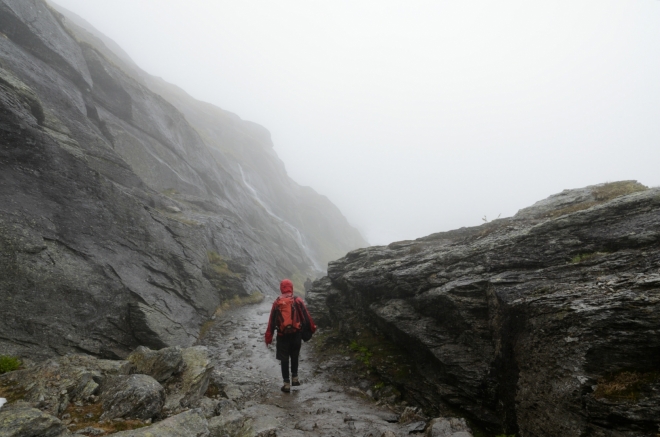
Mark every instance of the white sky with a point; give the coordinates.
(419, 116)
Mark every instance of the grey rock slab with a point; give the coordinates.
(448, 427)
(305, 425)
(133, 396)
(160, 364)
(232, 392)
(29, 422)
(224, 405)
(208, 407)
(230, 423)
(42, 33)
(191, 384)
(415, 427)
(187, 424)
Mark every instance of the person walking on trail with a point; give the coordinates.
(290, 317)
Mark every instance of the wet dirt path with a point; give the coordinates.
(250, 376)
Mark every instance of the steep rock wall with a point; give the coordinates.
(122, 223)
(544, 324)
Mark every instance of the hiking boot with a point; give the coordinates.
(286, 388)
(295, 382)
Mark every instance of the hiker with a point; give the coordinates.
(293, 322)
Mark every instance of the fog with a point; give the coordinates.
(418, 117)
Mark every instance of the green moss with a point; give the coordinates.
(9, 364)
(219, 265)
(363, 353)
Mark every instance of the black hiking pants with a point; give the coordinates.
(288, 346)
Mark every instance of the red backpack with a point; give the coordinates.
(288, 318)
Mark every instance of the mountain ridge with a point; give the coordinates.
(124, 219)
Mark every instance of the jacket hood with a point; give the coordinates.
(286, 286)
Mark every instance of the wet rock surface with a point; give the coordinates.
(187, 424)
(161, 364)
(247, 372)
(23, 421)
(130, 212)
(542, 324)
(241, 397)
(132, 397)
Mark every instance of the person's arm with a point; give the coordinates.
(271, 325)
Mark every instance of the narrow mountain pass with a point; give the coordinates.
(247, 373)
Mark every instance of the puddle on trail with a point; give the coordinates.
(250, 376)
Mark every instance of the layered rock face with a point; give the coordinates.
(128, 210)
(544, 324)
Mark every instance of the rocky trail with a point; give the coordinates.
(228, 385)
(250, 376)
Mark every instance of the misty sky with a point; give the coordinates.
(419, 116)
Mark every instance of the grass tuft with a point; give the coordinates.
(9, 364)
(602, 194)
(586, 257)
(219, 265)
(612, 190)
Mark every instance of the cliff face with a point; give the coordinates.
(128, 210)
(543, 324)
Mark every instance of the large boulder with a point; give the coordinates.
(160, 364)
(132, 397)
(545, 323)
(24, 421)
(190, 385)
(188, 424)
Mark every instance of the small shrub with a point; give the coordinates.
(9, 364)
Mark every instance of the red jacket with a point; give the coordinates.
(286, 287)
